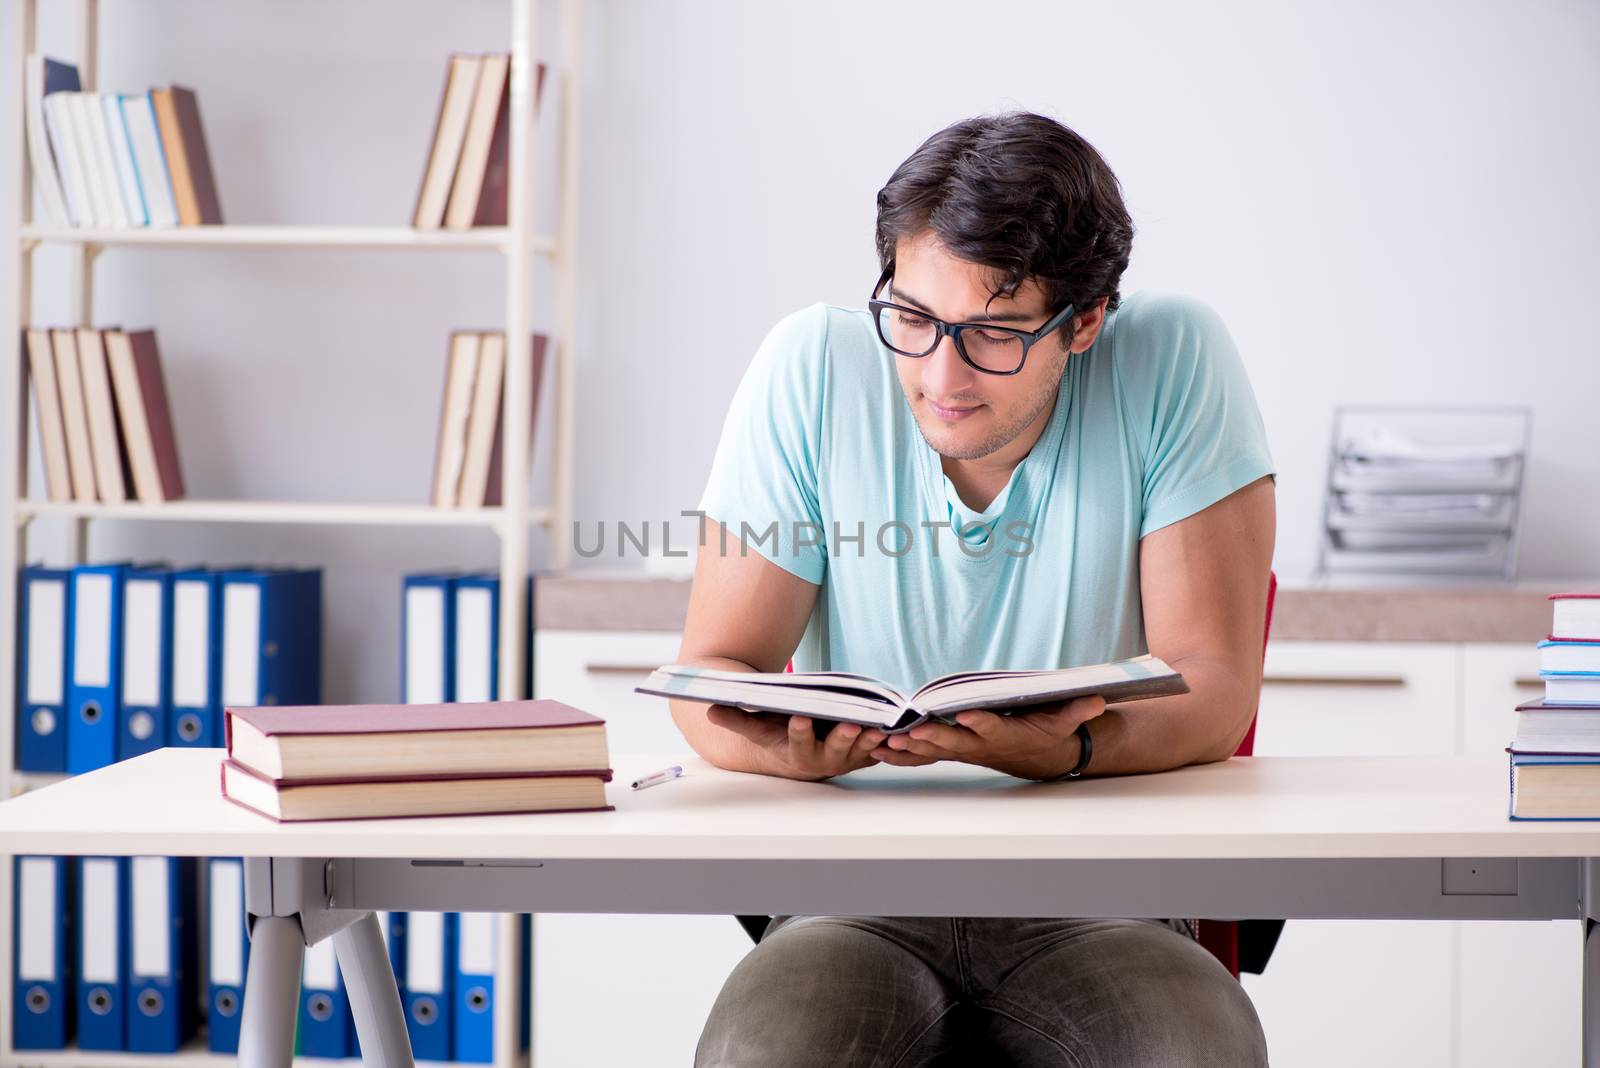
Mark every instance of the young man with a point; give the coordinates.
(998, 464)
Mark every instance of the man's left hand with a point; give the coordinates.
(1038, 744)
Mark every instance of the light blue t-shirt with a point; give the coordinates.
(821, 468)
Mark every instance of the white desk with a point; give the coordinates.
(1264, 837)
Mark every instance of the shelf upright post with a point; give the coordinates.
(566, 368)
(515, 416)
(83, 259)
(15, 313)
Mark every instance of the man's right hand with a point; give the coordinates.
(790, 747)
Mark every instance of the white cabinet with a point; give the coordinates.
(659, 974)
(1357, 699)
(1520, 982)
(1341, 992)
(596, 670)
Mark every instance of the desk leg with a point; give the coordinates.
(271, 993)
(374, 995)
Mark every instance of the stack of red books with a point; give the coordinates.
(368, 761)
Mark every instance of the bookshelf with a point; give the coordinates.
(517, 243)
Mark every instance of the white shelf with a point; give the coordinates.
(329, 512)
(490, 238)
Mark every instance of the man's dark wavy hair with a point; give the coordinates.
(1020, 194)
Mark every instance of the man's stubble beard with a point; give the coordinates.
(1002, 436)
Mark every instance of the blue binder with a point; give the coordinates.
(146, 637)
(476, 965)
(196, 716)
(227, 952)
(101, 980)
(427, 639)
(472, 632)
(43, 599)
(325, 1028)
(430, 949)
(41, 926)
(163, 946)
(94, 688)
(271, 638)
(475, 644)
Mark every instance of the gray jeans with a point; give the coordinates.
(903, 992)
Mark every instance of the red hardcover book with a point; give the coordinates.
(399, 798)
(1576, 617)
(343, 743)
(146, 416)
(491, 208)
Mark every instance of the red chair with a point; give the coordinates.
(1230, 941)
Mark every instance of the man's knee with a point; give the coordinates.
(1131, 994)
(820, 991)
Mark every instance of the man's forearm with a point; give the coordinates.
(1198, 727)
(723, 748)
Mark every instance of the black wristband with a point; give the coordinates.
(1084, 755)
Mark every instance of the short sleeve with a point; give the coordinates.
(763, 482)
(1189, 402)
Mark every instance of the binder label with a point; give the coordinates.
(91, 650)
(321, 967)
(152, 917)
(477, 937)
(141, 643)
(227, 923)
(425, 952)
(474, 648)
(47, 623)
(38, 923)
(99, 920)
(191, 643)
(425, 650)
(241, 643)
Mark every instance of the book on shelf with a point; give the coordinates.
(116, 160)
(105, 426)
(371, 761)
(850, 698)
(69, 387)
(466, 179)
(449, 131)
(122, 159)
(105, 430)
(46, 77)
(150, 162)
(469, 452)
(47, 409)
(146, 419)
(194, 187)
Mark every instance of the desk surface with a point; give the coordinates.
(168, 802)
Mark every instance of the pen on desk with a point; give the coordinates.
(657, 777)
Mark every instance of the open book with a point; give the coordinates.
(848, 698)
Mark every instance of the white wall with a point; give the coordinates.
(1388, 203)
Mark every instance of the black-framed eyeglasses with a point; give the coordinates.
(991, 348)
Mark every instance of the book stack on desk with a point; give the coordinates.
(371, 761)
(1555, 759)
